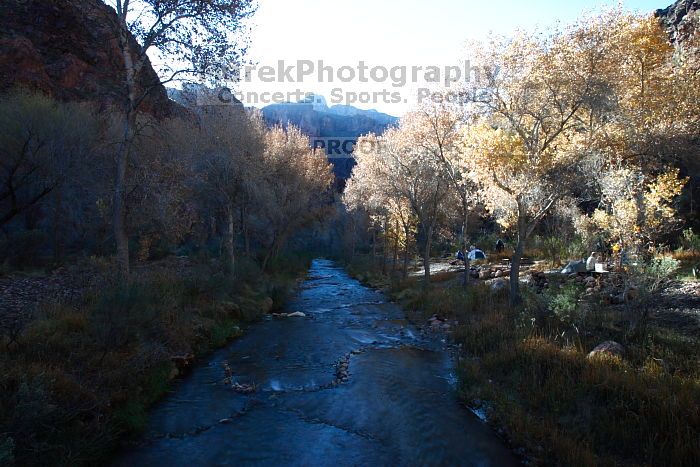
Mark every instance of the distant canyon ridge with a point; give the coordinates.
(333, 129)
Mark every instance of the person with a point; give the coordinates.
(590, 262)
(460, 255)
(500, 246)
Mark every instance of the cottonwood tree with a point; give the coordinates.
(640, 80)
(159, 210)
(538, 112)
(372, 190)
(635, 208)
(399, 168)
(192, 38)
(437, 129)
(366, 192)
(291, 189)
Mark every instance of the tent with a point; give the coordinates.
(574, 267)
(476, 254)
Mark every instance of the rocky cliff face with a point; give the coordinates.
(69, 50)
(681, 19)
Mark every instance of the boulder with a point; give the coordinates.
(243, 388)
(498, 285)
(499, 273)
(607, 348)
(485, 274)
(296, 314)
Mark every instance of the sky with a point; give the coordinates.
(382, 34)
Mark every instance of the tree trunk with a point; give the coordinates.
(277, 242)
(353, 240)
(426, 255)
(57, 237)
(384, 248)
(396, 248)
(119, 215)
(465, 279)
(515, 297)
(120, 235)
(245, 232)
(229, 244)
(405, 254)
(374, 246)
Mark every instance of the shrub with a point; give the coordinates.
(565, 304)
(690, 241)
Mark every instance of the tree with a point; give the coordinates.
(537, 114)
(192, 37)
(231, 145)
(635, 209)
(44, 144)
(437, 129)
(398, 167)
(291, 190)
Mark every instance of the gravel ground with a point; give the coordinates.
(22, 294)
(679, 308)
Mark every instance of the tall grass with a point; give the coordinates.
(78, 378)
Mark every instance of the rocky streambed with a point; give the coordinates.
(341, 379)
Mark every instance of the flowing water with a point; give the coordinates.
(395, 406)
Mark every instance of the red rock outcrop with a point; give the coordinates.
(69, 50)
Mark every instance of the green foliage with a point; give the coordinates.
(653, 275)
(223, 332)
(131, 416)
(555, 249)
(661, 268)
(690, 241)
(564, 303)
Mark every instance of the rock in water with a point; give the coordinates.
(243, 388)
(296, 314)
